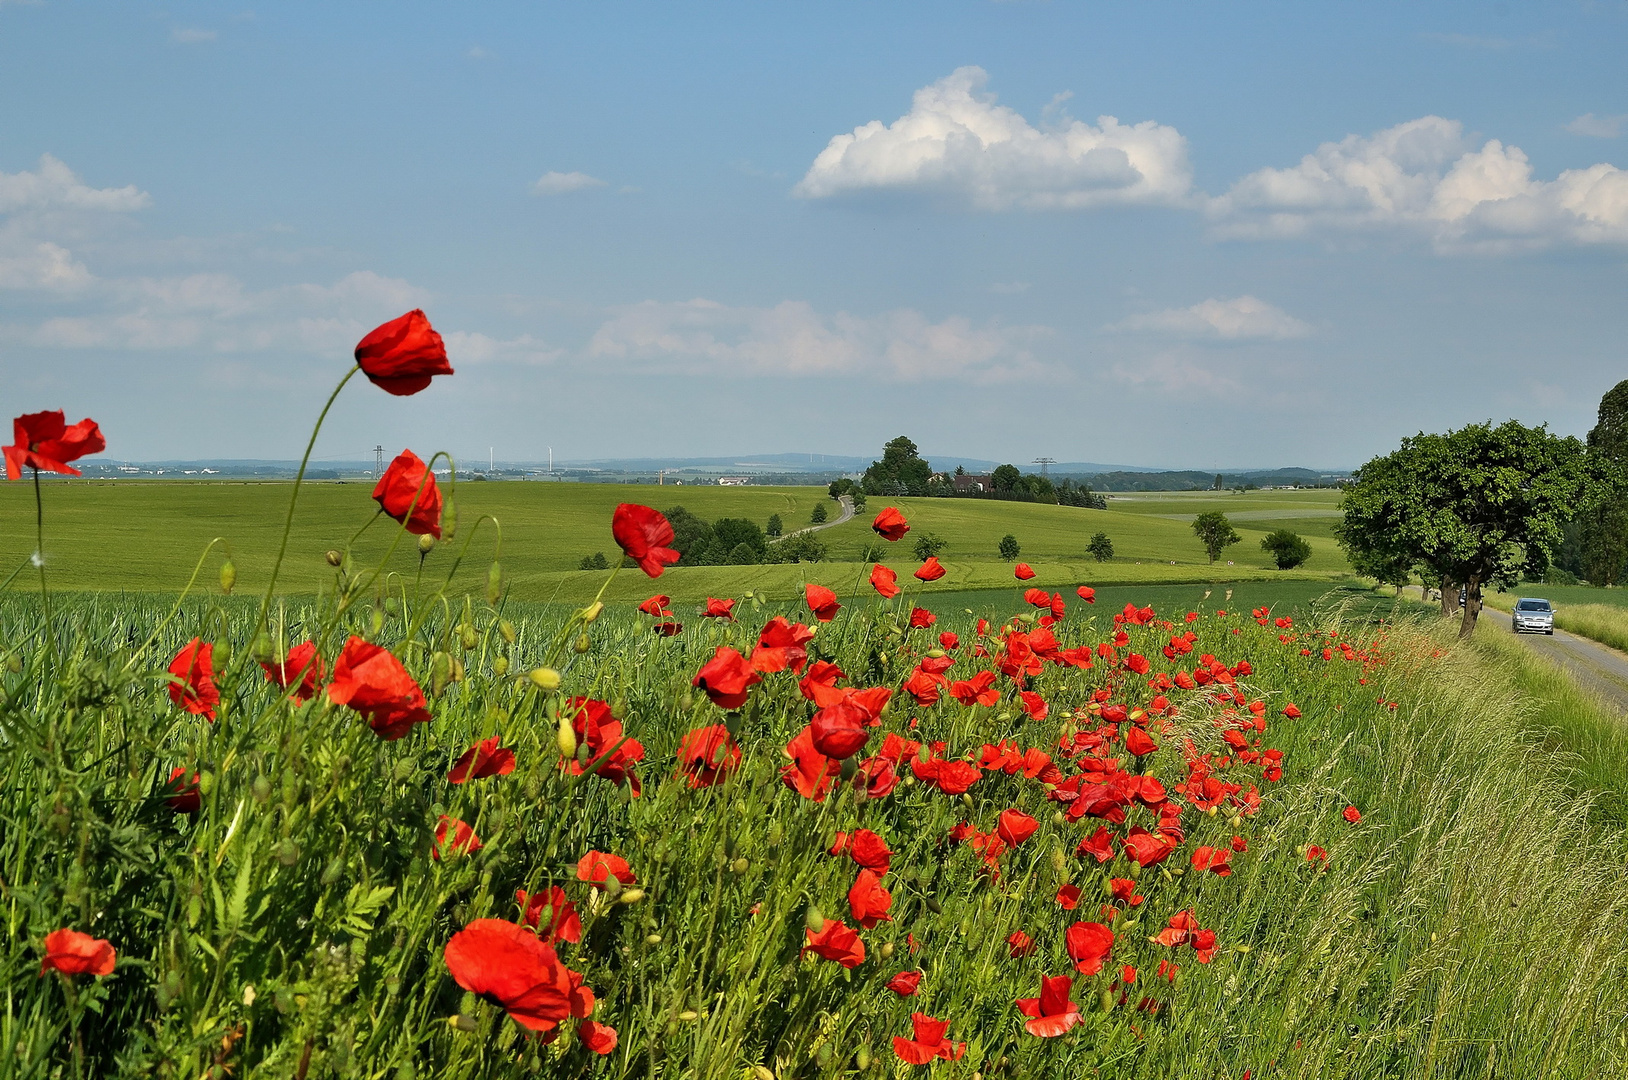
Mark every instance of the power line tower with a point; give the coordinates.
(378, 461)
(1043, 462)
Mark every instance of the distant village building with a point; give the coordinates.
(975, 482)
(734, 481)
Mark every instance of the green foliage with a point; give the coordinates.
(858, 499)
(692, 537)
(1009, 549)
(818, 515)
(596, 561)
(1005, 478)
(1479, 505)
(1100, 548)
(775, 526)
(1072, 493)
(734, 533)
(842, 485)
(803, 547)
(902, 471)
(928, 544)
(1287, 548)
(1215, 532)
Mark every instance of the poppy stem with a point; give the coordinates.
(39, 559)
(288, 520)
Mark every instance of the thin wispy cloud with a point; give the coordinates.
(1239, 319)
(564, 183)
(1598, 127)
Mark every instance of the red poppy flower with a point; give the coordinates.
(821, 601)
(73, 953)
(1088, 946)
(1086, 593)
(564, 924)
(508, 965)
(836, 942)
(657, 606)
(1014, 826)
(782, 645)
(1239, 844)
(1068, 897)
(668, 628)
(1123, 890)
(719, 609)
(643, 535)
(1184, 930)
(1315, 854)
(921, 618)
(869, 901)
(1292, 711)
(869, 850)
(300, 670)
(726, 678)
(485, 758)
(597, 867)
(1037, 598)
(891, 524)
(46, 442)
(1019, 944)
(1148, 849)
(949, 640)
(978, 690)
(923, 687)
(1023, 571)
(454, 837)
(810, 772)
(372, 681)
(1053, 1012)
(601, 733)
(706, 756)
(875, 779)
(1352, 814)
(927, 1042)
(600, 1038)
(194, 667)
(884, 581)
(401, 355)
(838, 731)
(871, 701)
(1138, 743)
(905, 983)
(1217, 861)
(930, 570)
(1034, 704)
(407, 492)
(820, 684)
(182, 793)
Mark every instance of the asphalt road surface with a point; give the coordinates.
(1594, 666)
(846, 513)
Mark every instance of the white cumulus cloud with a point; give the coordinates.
(54, 186)
(558, 183)
(1241, 318)
(958, 145)
(791, 339)
(1426, 176)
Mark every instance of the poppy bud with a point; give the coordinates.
(582, 753)
(775, 834)
(1058, 863)
(592, 611)
(426, 543)
(333, 557)
(506, 629)
(261, 788)
(377, 621)
(500, 666)
(850, 767)
(331, 872)
(494, 586)
(468, 638)
(449, 518)
(566, 738)
(966, 799)
(822, 1056)
(460, 1022)
(863, 1058)
(686, 703)
(545, 678)
(813, 919)
(228, 576)
(440, 672)
(14, 663)
(887, 950)
(613, 888)
(632, 896)
(1235, 821)
(740, 866)
(1105, 998)
(288, 852)
(223, 652)
(581, 644)
(934, 906)
(1058, 819)
(936, 654)
(652, 939)
(206, 782)
(760, 1073)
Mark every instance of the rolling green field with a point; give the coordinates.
(146, 536)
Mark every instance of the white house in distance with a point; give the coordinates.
(734, 481)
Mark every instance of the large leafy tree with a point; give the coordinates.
(1215, 532)
(1602, 527)
(902, 471)
(1479, 505)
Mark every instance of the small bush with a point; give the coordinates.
(818, 516)
(1288, 548)
(775, 526)
(596, 561)
(929, 544)
(1100, 548)
(1009, 547)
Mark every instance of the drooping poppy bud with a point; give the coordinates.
(228, 576)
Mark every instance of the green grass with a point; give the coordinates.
(146, 536)
(1561, 596)
(1606, 623)
(1470, 926)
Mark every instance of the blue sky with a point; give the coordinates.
(1307, 230)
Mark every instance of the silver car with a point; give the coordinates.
(1533, 615)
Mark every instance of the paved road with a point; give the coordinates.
(845, 514)
(1600, 669)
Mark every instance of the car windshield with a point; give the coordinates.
(1532, 605)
